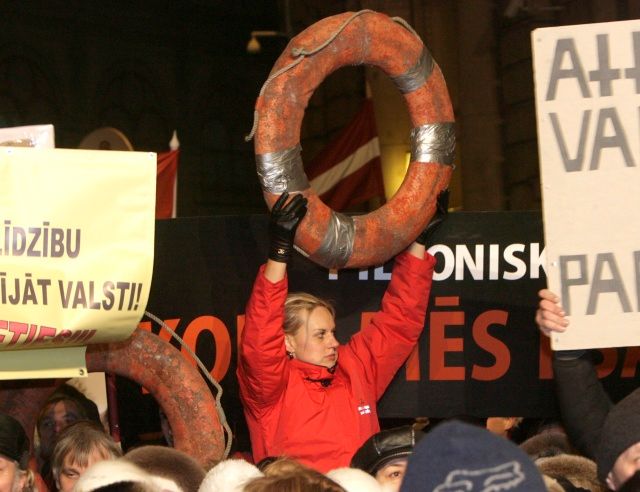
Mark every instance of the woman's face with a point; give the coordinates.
(315, 340)
(71, 470)
(391, 475)
(10, 478)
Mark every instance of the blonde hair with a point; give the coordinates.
(78, 441)
(299, 302)
(287, 475)
(29, 478)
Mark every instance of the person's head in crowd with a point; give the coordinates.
(129, 487)
(356, 480)
(229, 476)
(120, 475)
(64, 407)
(543, 426)
(456, 451)
(503, 426)
(572, 472)
(618, 452)
(169, 463)
(309, 328)
(385, 454)
(632, 484)
(286, 475)
(266, 461)
(547, 444)
(77, 447)
(14, 457)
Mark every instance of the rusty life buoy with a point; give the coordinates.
(332, 239)
(154, 364)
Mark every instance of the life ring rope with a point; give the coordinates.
(205, 372)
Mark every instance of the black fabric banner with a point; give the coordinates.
(480, 353)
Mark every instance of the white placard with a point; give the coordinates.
(40, 136)
(587, 87)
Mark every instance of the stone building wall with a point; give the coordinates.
(150, 67)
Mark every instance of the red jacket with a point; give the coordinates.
(322, 424)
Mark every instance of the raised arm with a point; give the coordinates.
(283, 223)
(583, 402)
(385, 344)
(262, 356)
(418, 247)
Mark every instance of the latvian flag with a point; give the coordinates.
(348, 171)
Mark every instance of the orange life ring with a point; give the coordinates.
(155, 364)
(331, 239)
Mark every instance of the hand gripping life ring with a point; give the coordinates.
(332, 239)
(154, 364)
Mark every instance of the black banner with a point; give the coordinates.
(480, 353)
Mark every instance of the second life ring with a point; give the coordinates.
(329, 238)
(176, 385)
(154, 364)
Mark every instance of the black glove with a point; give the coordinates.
(442, 209)
(283, 223)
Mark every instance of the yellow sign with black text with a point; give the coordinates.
(76, 245)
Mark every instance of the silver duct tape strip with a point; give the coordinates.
(417, 75)
(337, 244)
(433, 143)
(282, 171)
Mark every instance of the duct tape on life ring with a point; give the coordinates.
(332, 239)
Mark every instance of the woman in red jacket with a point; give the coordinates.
(306, 396)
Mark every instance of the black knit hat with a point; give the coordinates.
(621, 430)
(386, 446)
(14, 443)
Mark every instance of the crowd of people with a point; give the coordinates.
(451, 455)
(310, 405)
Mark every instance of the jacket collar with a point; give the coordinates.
(313, 372)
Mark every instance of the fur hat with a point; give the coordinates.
(111, 472)
(229, 476)
(14, 443)
(621, 429)
(455, 451)
(386, 446)
(571, 470)
(169, 463)
(547, 444)
(552, 485)
(354, 480)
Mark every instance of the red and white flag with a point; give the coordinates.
(166, 184)
(348, 171)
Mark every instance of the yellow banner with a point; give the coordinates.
(76, 245)
(59, 362)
